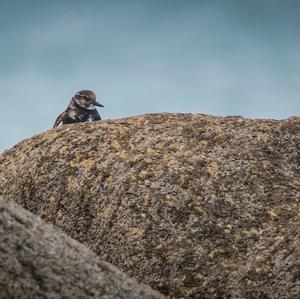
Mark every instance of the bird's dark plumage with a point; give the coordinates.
(82, 108)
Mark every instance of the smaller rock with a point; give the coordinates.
(38, 262)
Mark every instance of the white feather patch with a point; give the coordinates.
(91, 107)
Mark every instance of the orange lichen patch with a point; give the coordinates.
(60, 215)
(122, 154)
(143, 174)
(135, 233)
(72, 183)
(147, 198)
(226, 263)
(227, 231)
(107, 212)
(198, 209)
(86, 164)
(115, 144)
(216, 251)
(118, 127)
(212, 168)
(142, 121)
(48, 136)
(73, 163)
(3, 182)
(273, 214)
(200, 157)
(150, 152)
(51, 199)
(148, 161)
(169, 160)
(203, 142)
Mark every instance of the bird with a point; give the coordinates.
(82, 108)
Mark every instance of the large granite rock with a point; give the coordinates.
(38, 262)
(196, 206)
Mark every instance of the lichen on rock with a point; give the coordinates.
(182, 202)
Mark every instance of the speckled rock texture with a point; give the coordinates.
(38, 262)
(195, 206)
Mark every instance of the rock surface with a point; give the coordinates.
(195, 206)
(38, 262)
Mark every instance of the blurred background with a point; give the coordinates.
(143, 56)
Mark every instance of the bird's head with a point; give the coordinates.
(86, 99)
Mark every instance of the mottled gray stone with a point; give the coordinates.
(38, 262)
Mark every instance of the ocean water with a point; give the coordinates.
(214, 57)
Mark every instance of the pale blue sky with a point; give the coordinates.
(140, 56)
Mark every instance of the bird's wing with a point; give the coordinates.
(95, 115)
(60, 119)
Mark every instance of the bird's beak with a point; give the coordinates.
(98, 104)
